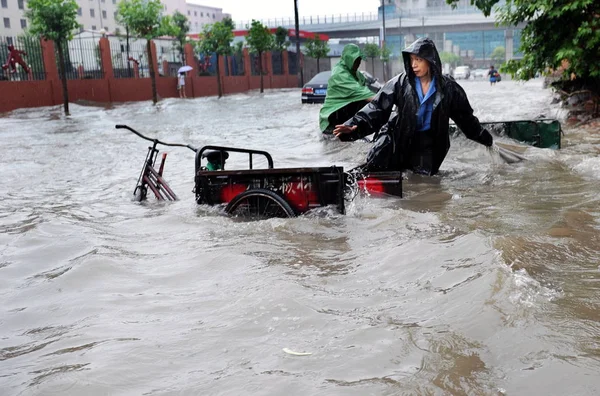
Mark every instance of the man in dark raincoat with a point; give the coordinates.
(416, 137)
(346, 90)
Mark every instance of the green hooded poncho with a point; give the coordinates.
(344, 86)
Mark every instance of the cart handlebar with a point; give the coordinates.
(156, 141)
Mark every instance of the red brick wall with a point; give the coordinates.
(23, 94)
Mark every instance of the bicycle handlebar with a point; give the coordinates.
(120, 126)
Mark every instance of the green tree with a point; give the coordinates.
(182, 28)
(556, 31)
(54, 20)
(144, 18)
(317, 48)
(259, 40)
(385, 58)
(281, 41)
(498, 55)
(450, 58)
(372, 51)
(216, 39)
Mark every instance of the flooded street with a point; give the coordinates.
(483, 280)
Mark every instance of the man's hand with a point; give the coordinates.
(343, 129)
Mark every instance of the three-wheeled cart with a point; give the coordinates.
(263, 193)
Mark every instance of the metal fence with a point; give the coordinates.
(277, 63)
(292, 66)
(25, 49)
(83, 59)
(207, 65)
(234, 65)
(129, 55)
(167, 51)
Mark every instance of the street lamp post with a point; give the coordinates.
(297, 26)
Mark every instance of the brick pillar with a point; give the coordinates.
(268, 67)
(190, 60)
(136, 70)
(106, 58)
(286, 69)
(154, 58)
(49, 58)
(80, 72)
(221, 66)
(247, 66)
(165, 67)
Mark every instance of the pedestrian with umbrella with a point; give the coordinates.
(181, 80)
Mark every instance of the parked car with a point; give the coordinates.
(315, 90)
(462, 72)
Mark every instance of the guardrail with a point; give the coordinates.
(361, 17)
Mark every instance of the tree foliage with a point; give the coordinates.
(385, 53)
(556, 31)
(144, 18)
(216, 39)
(281, 42)
(54, 20)
(316, 48)
(498, 55)
(451, 58)
(259, 40)
(372, 51)
(182, 28)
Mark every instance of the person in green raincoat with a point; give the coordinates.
(347, 92)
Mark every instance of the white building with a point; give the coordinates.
(100, 14)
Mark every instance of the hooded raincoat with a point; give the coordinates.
(344, 85)
(394, 145)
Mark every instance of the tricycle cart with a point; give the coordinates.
(263, 193)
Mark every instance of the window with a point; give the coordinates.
(114, 1)
(189, 13)
(202, 14)
(93, 27)
(79, 11)
(92, 13)
(23, 23)
(104, 14)
(195, 13)
(106, 28)
(20, 3)
(115, 14)
(104, 1)
(7, 23)
(4, 3)
(9, 41)
(214, 16)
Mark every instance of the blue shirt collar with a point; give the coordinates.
(430, 92)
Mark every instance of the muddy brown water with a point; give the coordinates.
(483, 280)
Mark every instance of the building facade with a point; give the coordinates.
(101, 15)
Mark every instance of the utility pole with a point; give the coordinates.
(383, 39)
(298, 53)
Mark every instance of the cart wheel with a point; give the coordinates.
(259, 203)
(140, 193)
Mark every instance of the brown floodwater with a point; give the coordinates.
(483, 280)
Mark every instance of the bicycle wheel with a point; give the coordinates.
(259, 203)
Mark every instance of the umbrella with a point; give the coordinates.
(184, 69)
